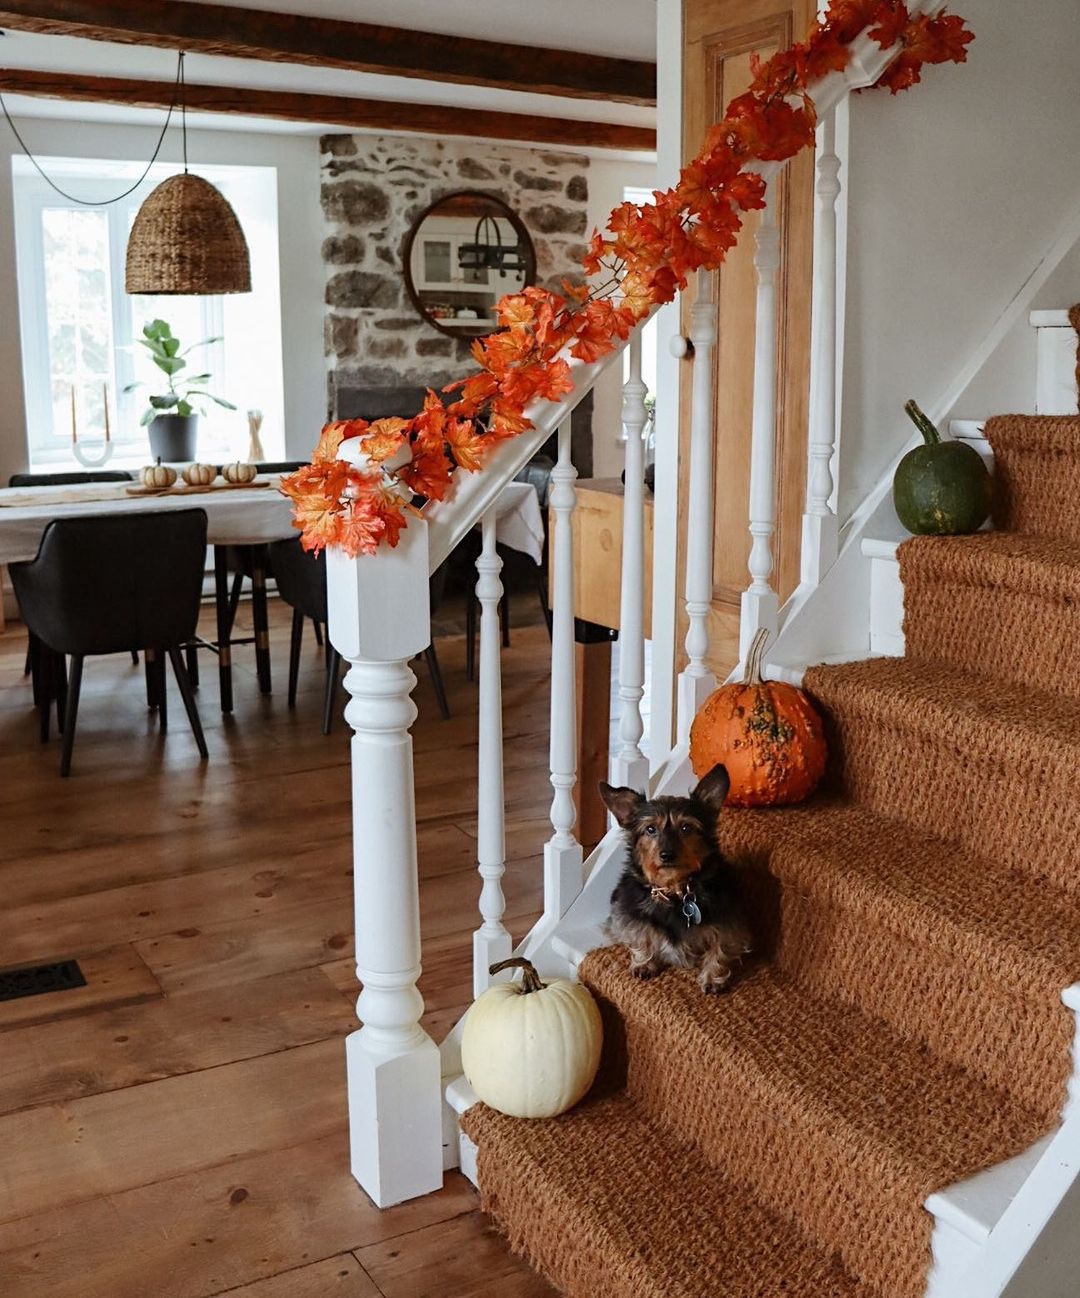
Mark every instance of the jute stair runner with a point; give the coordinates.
(918, 921)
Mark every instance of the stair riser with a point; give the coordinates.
(970, 791)
(1037, 492)
(1022, 1042)
(800, 1174)
(993, 636)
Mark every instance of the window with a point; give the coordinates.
(80, 329)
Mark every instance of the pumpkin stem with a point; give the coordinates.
(753, 659)
(931, 436)
(530, 979)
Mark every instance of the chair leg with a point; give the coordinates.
(61, 691)
(134, 657)
(261, 619)
(470, 634)
(318, 631)
(504, 617)
(234, 598)
(224, 630)
(188, 695)
(191, 656)
(33, 666)
(295, 645)
(28, 665)
(434, 671)
(74, 685)
(45, 668)
(151, 678)
(333, 672)
(160, 689)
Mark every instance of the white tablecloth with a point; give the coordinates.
(234, 517)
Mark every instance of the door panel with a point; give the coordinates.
(720, 36)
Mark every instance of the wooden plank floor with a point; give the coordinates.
(176, 1129)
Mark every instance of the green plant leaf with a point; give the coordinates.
(170, 346)
(197, 378)
(148, 416)
(130, 387)
(205, 343)
(228, 405)
(170, 364)
(183, 408)
(164, 403)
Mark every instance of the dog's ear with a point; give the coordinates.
(622, 802)
(713, 788)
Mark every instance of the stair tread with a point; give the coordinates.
(1038, 433)
(899, 1115)
(1049, 566)
(923, 887)
(622, 1206)
(934, 696)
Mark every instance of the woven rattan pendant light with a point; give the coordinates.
(186, 238)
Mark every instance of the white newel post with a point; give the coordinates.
(820, 531)
(562, 852)
(379, 620)
(491, 941)
(629, 765)
(760, 606)
(696, 681)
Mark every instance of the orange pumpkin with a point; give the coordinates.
(766, 733)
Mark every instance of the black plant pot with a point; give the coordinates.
(172, 438)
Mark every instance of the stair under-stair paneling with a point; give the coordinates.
(990, 764)
(954, 951)
(973, 601)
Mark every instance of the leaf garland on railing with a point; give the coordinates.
(645, 259)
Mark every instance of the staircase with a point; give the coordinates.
(881, 1107)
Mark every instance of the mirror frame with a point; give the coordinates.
(505, 210)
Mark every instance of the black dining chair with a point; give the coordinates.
(69, 478)
(301, 583)
(101, 584)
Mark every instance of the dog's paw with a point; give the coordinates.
(644, 972)
(717, 984)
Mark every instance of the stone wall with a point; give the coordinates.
(373, 188)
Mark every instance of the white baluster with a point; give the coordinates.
(562, 852)
(379, 620)
(696, 681)
(760, 606)
(491, 941)
(820, 532)
(629, 765)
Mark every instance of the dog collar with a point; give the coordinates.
(690, 909)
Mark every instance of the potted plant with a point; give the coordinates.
(174, 414)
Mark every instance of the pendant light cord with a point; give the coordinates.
(178, 97)
(183, 106)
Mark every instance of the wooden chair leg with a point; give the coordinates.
(134, 657)
(333, 673)
(295, 645)
(188, 695)
(151, 678)
(224, 629)
(33, 666)
(60, 678)
(318, 631)
(191, 657)
(28, 665)
(434, 671)
(160, 689)
(74, 685)
(261, 619)
(470, 634)
(234, 598)
(45, 669)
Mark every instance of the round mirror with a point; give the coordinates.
(464, 253)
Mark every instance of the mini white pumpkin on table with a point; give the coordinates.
(199, 475)
(531, 1049)
(158, 476)
(239, 473)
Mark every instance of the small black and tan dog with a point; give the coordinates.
(677, 903)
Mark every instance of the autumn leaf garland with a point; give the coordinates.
(643, 259)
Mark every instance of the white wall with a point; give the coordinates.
(608, 177)
(957, 190)
(299, 231)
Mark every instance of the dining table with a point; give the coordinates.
(252, 515)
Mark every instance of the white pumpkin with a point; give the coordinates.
(158, 476)
(239, 472)
(199, 475)
(530, 1049)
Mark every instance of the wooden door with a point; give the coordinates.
(719, 37)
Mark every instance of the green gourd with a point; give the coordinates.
(941, 488)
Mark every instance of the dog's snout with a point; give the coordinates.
(666, 856)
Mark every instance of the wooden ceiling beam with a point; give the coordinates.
(330, 110)
(325, 42)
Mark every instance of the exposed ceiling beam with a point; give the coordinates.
(326, 42)
(335, 110)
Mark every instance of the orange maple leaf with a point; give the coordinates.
(467, 446)
(333, 435)
(384, 439)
